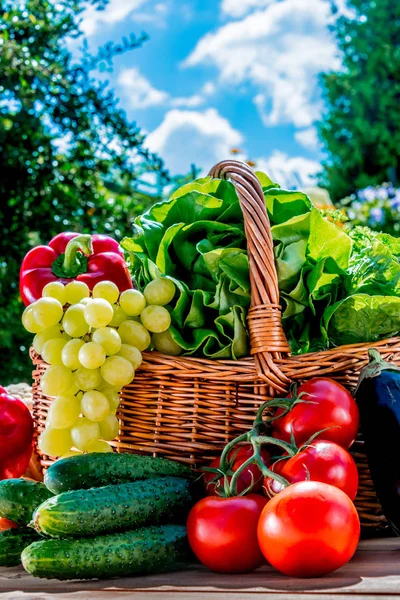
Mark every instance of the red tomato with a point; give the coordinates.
(309, 529)
(329, 405)
(251, 474)
(322, 461)
(15, 466)
(222, 532)
(7, 524)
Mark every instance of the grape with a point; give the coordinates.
(63, 412)
(73, 391)
(29, 322)
(156, 318)
(55, 442)
(55, 289)
(47, 311)
(109, 428)
(100, 447)
(43, 336)
(164, 343)
(75, 291)
(132, 302)
(118, 316)
(70, 453)
(84, 433)
(85, 301)
(92, 355)
(113, 398)
(134, 334)
(69, 354)
(51, 352)
(95, 405)
(117, 371)
(160, 291)
(106, 290)
(108, 338)
(98, 313)
(87, 379)
(132, 354)
(74, 322)
(56, 380)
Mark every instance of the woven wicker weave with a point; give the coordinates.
(187, 408)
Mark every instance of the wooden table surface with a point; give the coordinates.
(374, 572)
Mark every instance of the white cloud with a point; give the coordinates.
(196, 100)
(289, 171)
(140, 93)
(188, 101)
(115, 11)
(138, 90)
(308, 138)
(239, 8)
(157, 15)
(280, 50)
(185, 137)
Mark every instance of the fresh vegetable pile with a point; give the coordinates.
(335, 288)
(129, 528)
(305, 524)
(92, 341)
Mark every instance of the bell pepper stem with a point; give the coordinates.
(82, 243)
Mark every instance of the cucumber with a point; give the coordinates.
(99, 469)
(146, 550)
(12, 542)
(115, 508)
(20, 497)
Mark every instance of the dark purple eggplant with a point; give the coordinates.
(378, 398)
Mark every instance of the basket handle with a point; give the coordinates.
(267, 339)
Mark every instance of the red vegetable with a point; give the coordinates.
(328, 406)
(16, 433)
(72, 256)
(222, 532)
(309, 529)
(251, 475)
(7, 524)
(322, 461)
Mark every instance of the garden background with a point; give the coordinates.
(98, 119)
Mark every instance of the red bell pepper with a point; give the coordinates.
(16, 434)
(68, 256)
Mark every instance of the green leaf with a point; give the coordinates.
(362, 318)
(282, 205)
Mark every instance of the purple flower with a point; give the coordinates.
(376, 216)
(396, 200)
(381, 193)
(368, 194)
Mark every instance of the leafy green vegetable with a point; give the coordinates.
(197, 239)
(362, 318)
(335, 288)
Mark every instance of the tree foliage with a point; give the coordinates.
(69, 157)
(360, 129)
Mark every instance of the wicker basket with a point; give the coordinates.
(187, 408)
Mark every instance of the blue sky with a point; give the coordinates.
(223, 74)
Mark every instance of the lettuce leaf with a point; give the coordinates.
(335, 287)
(362, 318)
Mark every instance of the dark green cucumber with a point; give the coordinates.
(139, 552)
(20, 497)
(12, 542)
(115, 507)
(99, 469)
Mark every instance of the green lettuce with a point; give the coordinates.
(335, 288)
